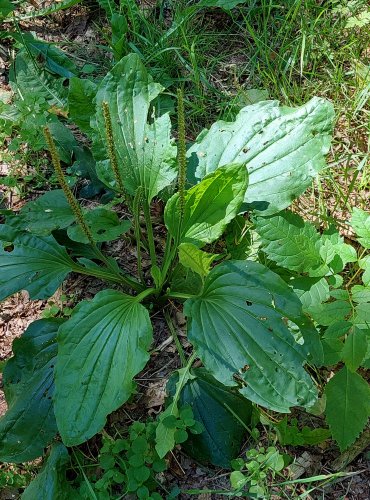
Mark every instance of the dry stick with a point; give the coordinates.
(349, 455)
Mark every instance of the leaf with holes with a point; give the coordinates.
(37, 264)
(209, 206)
(101, 348)
(29, 424)
(237, 326)
(282, 148)
(146, 153)
(347, 406)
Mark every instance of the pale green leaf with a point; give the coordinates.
(360, 293)
(101, 348)
(360, 222)
(282, 148)
(197, 260)
(209, 206)
(311, 291)
(239, 331)
(347, 406)
(146, 153)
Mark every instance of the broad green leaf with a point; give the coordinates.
(347, 406)
(222, 413)
(36, 264)
(354, 349)
(51, 482)
(209, 206)
(108, 5)
(55, 60)
(361, 316)
(7, 233)
(104, 224)
(49, 212)
(80, 103)
(100, 350)
(6, 7)
(311, 291)
(360, 293)
(282, 148)
(65, 141)
(364, 264)
(197, 260)
(360, 222)
(332, 343)
(184, 280)
(146, 153)
(296, 245)
(330, 312)
(26, 74)
(239, 331)
(29, 424)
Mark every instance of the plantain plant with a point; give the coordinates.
(246, 324)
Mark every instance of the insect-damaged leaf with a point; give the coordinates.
(29, 424)
(239, 331)
(282, 148)
(146, 153)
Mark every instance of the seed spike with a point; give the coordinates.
(64, 185)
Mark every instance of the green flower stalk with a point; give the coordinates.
(67, 190)
(111, 148)
(181, 151)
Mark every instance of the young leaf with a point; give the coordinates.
(101, 348)
(146, 154)
(282, 148)
(361, 224)
(221, 412)
(238, 330)
(347, 406)
(29, 424)
(36, 264)
(49, 212)
(311, 291)
(51, 482)
(209, 206)
(104, 225)
(197, 260)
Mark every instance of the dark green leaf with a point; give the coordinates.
(354, 349)
(220, 411)
(209, 206)
(80, 103)
(101, 348)
(29, 424)
(104, 224)
(49, 212)
(36, 264)
(51, 483)
(6, 7)
(238, 329)
(347, 406)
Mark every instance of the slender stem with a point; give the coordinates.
(149, 228)
(146, 293)
(178, 295)
(167, 256)
(136, 212)
(102, 274)
(175, 337)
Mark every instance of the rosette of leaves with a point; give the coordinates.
(242, 319)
